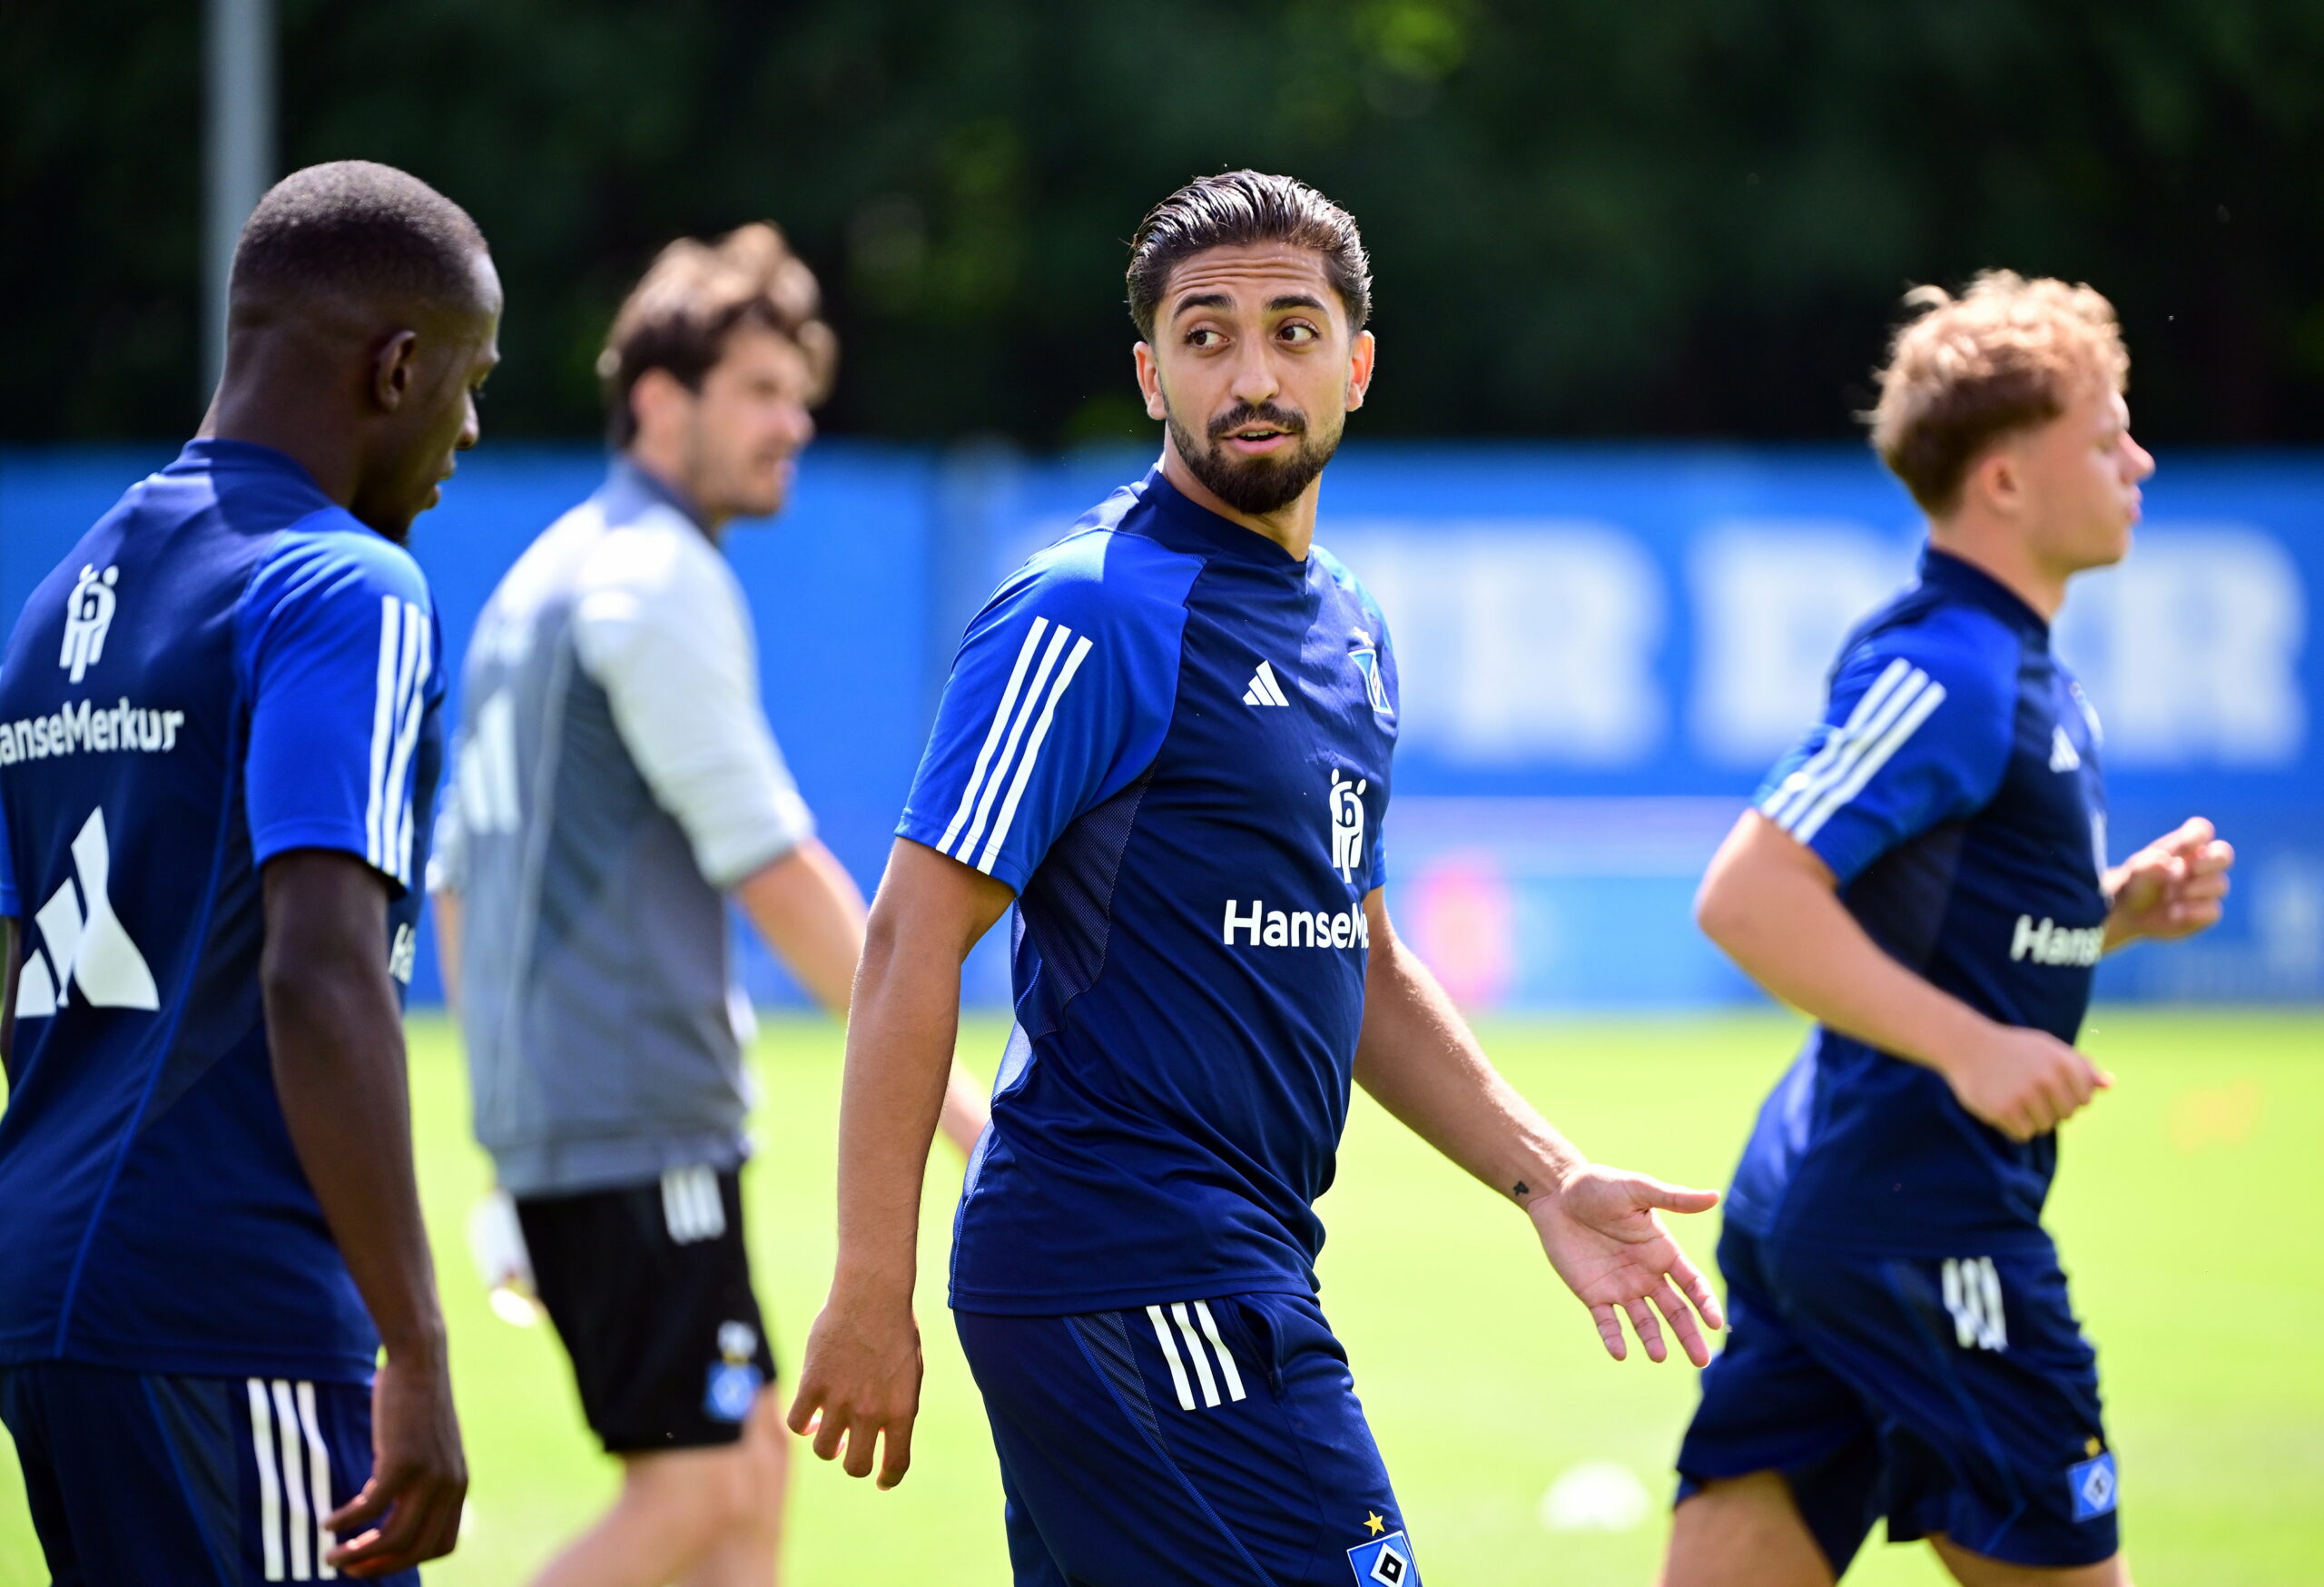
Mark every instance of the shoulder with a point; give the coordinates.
(328, 556)
(657, 552)
(1102, 578)
(1970, 657)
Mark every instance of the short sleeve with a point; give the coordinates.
(1059, 699)
(1915, 733)
(660, 625)
(339, 649)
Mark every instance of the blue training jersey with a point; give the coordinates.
(1953, 787)
(226, 667)
(1172, 739)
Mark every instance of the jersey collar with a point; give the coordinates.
(1950, 575)
(629, 491)
(1224, 536)
(213, 454)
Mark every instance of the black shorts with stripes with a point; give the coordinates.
(649, 1287)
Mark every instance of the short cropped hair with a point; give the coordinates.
(690, 301)
(1238, 209)
(2008, 354)
(355, 229)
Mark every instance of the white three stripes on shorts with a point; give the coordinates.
(1195, 1329)
(1020, 704)
(293, 1480)
(1890, 713)
(691, 1207)
(405, 645)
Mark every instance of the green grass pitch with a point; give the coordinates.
(2186, 1210)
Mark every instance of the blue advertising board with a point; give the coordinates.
(1602, 649)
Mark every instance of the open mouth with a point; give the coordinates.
(1258, 440)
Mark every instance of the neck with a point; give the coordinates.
(2000, 552)
(275, 408)
(1291, 525)
(664, 471)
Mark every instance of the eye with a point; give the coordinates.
(1204, 336)
(1298, 331)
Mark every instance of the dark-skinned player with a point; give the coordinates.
(221, 1353)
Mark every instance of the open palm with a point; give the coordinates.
(1604, 1235)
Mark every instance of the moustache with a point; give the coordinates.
(1283, 420)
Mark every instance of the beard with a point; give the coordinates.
(1257, 486)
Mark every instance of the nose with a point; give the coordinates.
(2141, 460)
(471, 427)
(1255, 380)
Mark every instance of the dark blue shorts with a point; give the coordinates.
(1191, 1445)
(137, 1480)
(1952, 1395)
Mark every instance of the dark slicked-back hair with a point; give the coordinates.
(1238, 209)
(691, 300)
(354, 228)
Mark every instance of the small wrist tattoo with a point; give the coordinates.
(1521, 1189)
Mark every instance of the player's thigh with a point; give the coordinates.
(1202, 1441)
(154, 1479)
(1976, 1571)
(1993, 1433)
(1743, 1532)
(1779, 1444)
(649, 1287)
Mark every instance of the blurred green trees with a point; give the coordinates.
(1669, 217)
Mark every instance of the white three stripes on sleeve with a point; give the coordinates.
(1020, 703)
(1890, 713)
(293, 1481)
(406, 659)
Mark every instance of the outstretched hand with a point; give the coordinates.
(1603, 1237)
(2171, 888)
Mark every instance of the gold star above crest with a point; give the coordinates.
(1374, 1523)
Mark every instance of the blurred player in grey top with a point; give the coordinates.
(616, 784)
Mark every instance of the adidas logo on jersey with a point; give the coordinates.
(81, 944)
(1264, 690)
(2063, 757)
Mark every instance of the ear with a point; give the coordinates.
(657, 400)
(1359, 369)
(1997, 480)
(1150, 380)
(394, 369)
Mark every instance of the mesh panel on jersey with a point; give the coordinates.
(1902, 898)
(1066, 911)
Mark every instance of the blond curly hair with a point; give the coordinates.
(2008, 354)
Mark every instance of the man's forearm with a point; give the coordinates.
(1775, 912)
(448, 945)
(7, 988)
(898, 1051)
(807, 909)
(1418, 1060)
(336, 1036)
